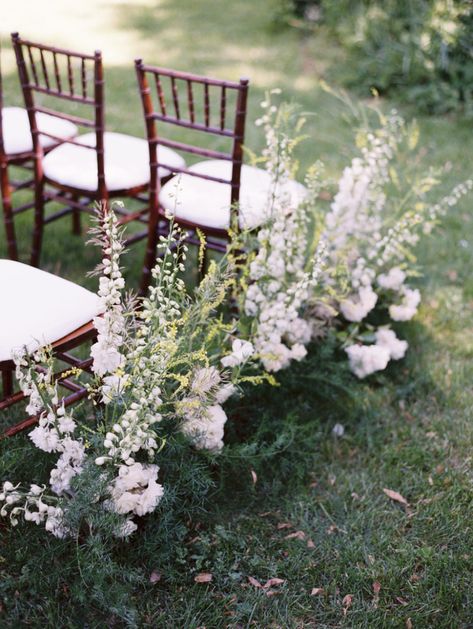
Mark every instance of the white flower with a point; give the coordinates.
(113, 386)
(298, 352)
(338, 430)
(225, 392)
(408, 307)
(205, 379)
(396, 347)
(69, 464)
(126, 529)
(206, 431)
(135, 490)
(357, 308)
(106, 359)
(241, 351)
(45, 439)
(366, 359)
(393, 280)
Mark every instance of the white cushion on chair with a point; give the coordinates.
(126, 162)
(207, 203)
(39, 308)
(17, 134)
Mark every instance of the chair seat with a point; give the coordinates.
(39, 308)
(207, 203)
(126, 163)
(17, 134)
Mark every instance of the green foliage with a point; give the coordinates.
(420, 50)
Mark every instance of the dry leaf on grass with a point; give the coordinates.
(203, 577)
(254, 476)
(296, 535)
(310, 544)
(316, 591)
(346, 602)
(376, 590)
(274, 581)
(284, 525)
(396, 496)
(154, 577)
(255, 582)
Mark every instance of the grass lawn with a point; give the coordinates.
(317, 516)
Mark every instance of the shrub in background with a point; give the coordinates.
(421, 50)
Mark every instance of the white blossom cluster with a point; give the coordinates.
(52, 434)
(370, 233)
(31, 506)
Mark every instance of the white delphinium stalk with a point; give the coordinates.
(281, 278)
(356, 211)
(111, 324)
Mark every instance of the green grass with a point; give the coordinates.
(409, 429)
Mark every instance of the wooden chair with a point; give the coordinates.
(40, 309)
(94, 166)
(205, 195)
(16, 149)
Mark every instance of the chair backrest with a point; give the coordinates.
(198, 103)
(62, 74)
(2, 148)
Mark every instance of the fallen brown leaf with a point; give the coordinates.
(408, 623)
(346, 602)
(296, 535)
(316, 591)
(273, 593)
(255, 582)
(284, 525)
(376, 590)
(274, 581)
(203, 577)
(254, 476)
(310, 544)
(396, 496)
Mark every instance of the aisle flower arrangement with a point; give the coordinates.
(166, 365)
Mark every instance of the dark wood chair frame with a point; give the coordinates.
(9, 186)
(175, 114)
(61, 350)
(35, 78)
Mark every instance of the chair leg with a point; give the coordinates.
(38, 224)
(76, 218)
(6, 191)
(150, 254)
(7, 382)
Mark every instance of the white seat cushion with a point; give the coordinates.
(17, 134)
(126, 162)
(39, 308)
(207, 203)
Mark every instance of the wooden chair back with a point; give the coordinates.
(204, 105)
(69, 76)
